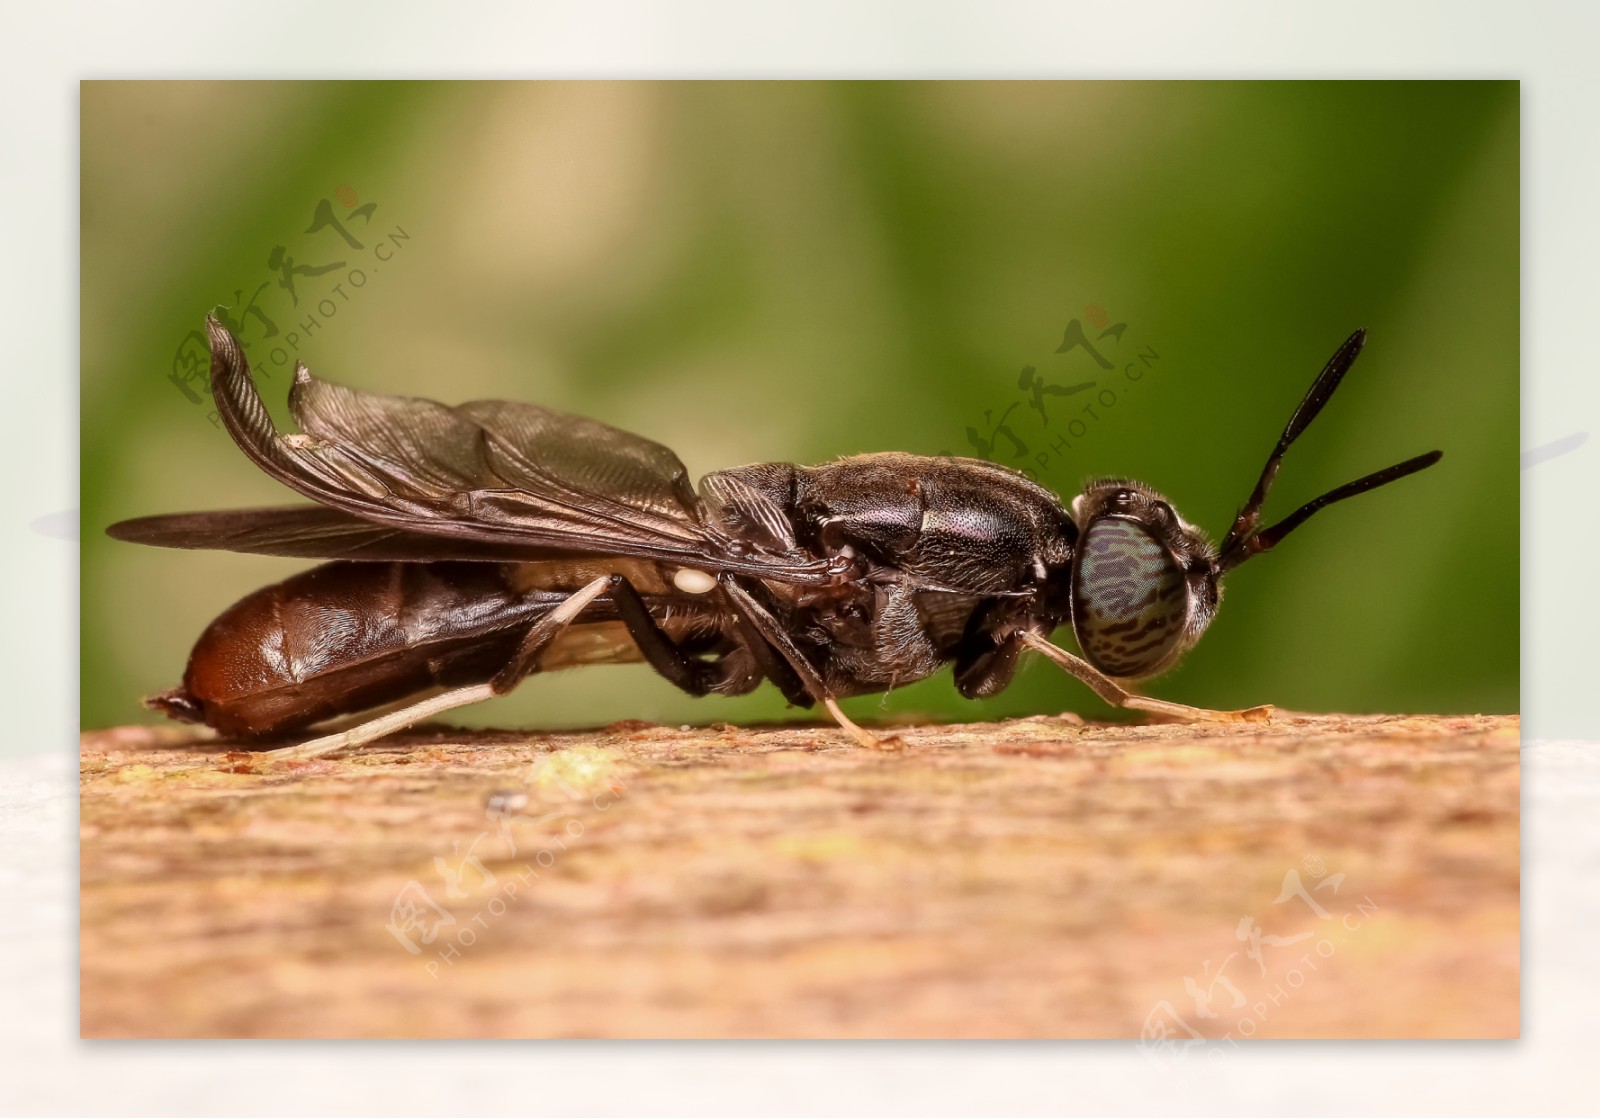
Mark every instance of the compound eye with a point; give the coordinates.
(1129, 599)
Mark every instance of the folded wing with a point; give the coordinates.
(306, 531)
(497, 480)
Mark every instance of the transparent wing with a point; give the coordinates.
(306, 531)
(512, 475)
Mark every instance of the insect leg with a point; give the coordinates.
(382, 725)
(1118, 696)
(985, 664)
(986, 670)
(544, 631)
(771, 665)
(539, 636)
(686, 671)
(768, 631)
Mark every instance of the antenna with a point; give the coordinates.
(1243, 539)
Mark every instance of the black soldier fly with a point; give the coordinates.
(476, 544)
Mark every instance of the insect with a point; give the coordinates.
(480, 543)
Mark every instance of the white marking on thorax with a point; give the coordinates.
(690, 581)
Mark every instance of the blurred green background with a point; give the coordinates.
(759, 271)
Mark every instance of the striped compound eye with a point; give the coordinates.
(1129, 599)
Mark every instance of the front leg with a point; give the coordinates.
(985, 661)
(1118, 696)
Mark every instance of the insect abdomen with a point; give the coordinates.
(344, 637)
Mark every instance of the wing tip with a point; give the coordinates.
(216, 333)
(228, 362)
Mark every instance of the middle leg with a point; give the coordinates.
(767, 629)
(730, 674)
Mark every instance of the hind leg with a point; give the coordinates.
(538, 638)
(732, 674)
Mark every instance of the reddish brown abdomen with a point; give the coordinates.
(345, 637)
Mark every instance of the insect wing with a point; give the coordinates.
(505, 474)
(306, 531)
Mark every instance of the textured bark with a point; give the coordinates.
(1035, 878)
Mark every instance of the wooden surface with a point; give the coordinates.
(1036, 878)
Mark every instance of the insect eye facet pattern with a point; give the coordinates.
(1129, 599)
(475, 544)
